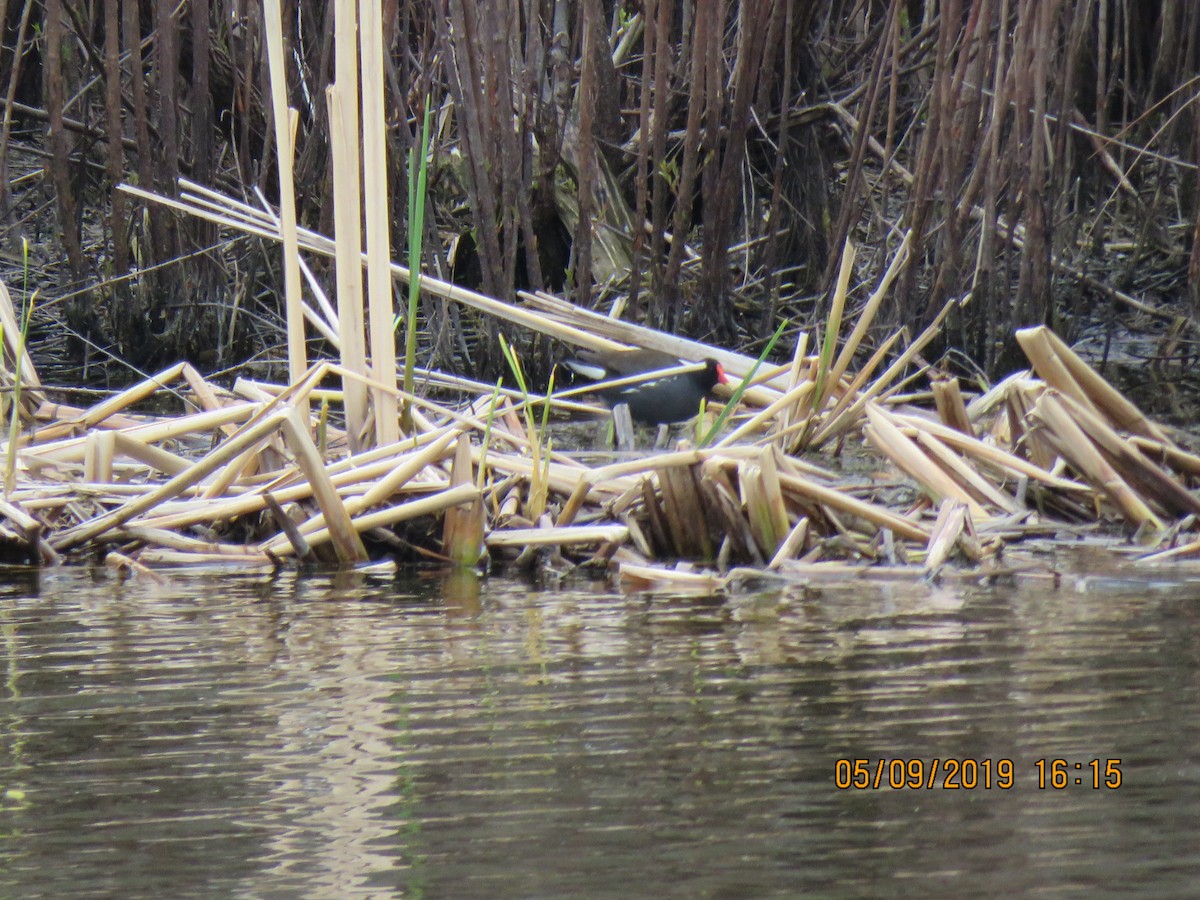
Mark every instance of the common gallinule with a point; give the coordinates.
(657, 401)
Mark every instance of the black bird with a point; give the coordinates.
(655, 401)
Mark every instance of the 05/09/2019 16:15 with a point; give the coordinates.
(970, 774)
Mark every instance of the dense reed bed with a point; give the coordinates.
(956, 217)
(698, 165)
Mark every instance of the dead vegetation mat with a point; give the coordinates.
(940, 483)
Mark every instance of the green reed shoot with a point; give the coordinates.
(418, 167)
(323, 428)
(741, 388)
(539, 442)
(487, 435)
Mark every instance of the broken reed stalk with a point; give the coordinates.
(909, 457)
(155, 457)
(378, 224)
(286, 119)
(264, 226)
(464, 527)
(343, 140)
(833, 427)
(1061, 368)
(393, 515)
(95, 415)
(559, 537)
(99, 451)
(867, 316)
(833, 324)
(948, 399)
(794, 380)
(952, 519)
(346, 475)
(1167, 494)
(792, 545)
(1072, 444)
(786, 403)
(72, 449)
(987, 454)
(396, 474)
(16, 350)
(957, 468)
(85, 531)
(844, 413)
(764, 502)
(347, 544)
(19, 373)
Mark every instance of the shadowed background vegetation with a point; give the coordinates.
(1042, 152)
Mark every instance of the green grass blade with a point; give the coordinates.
(741, 388)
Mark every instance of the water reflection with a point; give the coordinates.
(450, 737)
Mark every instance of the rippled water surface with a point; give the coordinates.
(432, 737)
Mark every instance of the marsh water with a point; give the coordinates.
(433, 736)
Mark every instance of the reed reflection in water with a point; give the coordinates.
(451, 737)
